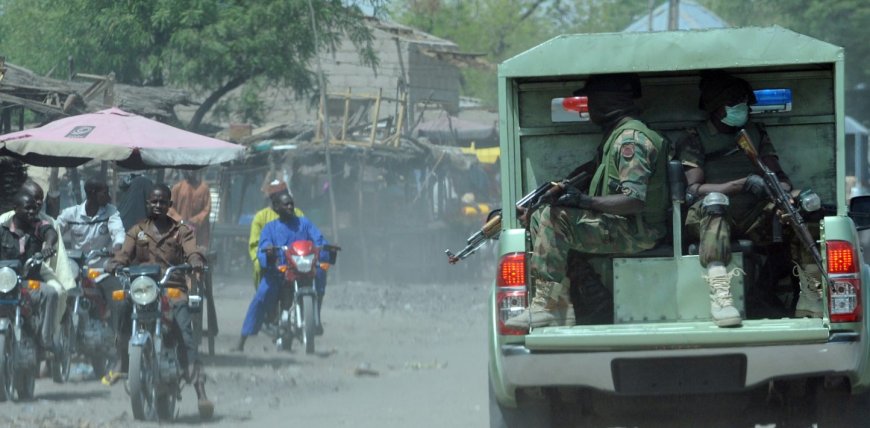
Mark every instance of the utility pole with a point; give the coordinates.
(673, 15)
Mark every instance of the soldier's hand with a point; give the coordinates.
(754, 184)
(522, 216)
(574, 199)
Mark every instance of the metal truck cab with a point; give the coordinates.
(661, 303)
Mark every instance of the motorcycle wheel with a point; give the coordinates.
(25, 380)
(142, 378)
(6, 372)
(166, 406)
(308, 323)
(61, 361)
(25, 384)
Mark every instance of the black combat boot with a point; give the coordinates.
(593, 302)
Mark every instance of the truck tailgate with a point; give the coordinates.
(677, 335)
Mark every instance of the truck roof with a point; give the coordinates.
(583, 54)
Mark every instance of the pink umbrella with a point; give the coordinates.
(132, 141)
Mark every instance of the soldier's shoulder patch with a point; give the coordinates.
(141, 236)
(627, 150)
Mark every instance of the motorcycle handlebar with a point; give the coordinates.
(182, 267)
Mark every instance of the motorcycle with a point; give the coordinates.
(299, 313)
(19, 327)
(85, 328)
(155, 373)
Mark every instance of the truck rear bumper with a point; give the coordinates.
(523, 368)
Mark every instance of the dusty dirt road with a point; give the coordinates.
(421, 349)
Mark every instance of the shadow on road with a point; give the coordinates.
(73, 395)
(236, 360)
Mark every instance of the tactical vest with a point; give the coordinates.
(606, 180)
(724, 161)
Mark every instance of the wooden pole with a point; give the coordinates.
(322, 83)
(346, 110)
(377, 116)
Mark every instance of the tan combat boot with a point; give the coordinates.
(721, 303)
(809, 302)
(548, 308)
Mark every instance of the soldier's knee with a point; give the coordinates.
(715, 204)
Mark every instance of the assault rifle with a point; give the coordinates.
(544, 194)
(782, 200)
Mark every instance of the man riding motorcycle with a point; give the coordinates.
(284, 231)
(21, 236)
(159, 239)
(94, 225)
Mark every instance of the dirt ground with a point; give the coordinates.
(410, 355)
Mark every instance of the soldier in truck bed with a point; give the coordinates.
(624, 212)
(731, 198)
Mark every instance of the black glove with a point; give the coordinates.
(754, 184)
(575, 199)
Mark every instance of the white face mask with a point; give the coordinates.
(736, 116)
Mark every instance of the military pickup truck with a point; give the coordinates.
(662, 344)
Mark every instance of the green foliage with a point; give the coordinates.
(840, 22)
(503, 28)
(213, 46)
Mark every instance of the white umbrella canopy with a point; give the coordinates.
(130, 140)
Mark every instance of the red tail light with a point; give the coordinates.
(841, 257)
(512, 270)
(844, 290)
(512, 295)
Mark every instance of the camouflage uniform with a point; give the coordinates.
(633, 164)
(747, 216)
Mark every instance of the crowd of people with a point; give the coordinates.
(153, 225)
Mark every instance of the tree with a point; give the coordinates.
(503, 28)
(840, 22)
(211, 46)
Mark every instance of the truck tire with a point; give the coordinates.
(529, 413)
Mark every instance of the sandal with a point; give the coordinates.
(112, 377)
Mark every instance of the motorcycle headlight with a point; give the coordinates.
(8, 279)
(303, 263)
(143, 290)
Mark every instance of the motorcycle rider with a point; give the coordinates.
(158, 239)
(262, 217)
(21, 236)
(94, 224)
(287, 229)
(57, 275)
(260, 220)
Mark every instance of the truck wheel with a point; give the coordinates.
(529, 413)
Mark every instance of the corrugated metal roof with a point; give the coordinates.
(692, 17)
(583, 54)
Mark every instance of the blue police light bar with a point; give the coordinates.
(771, 101)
